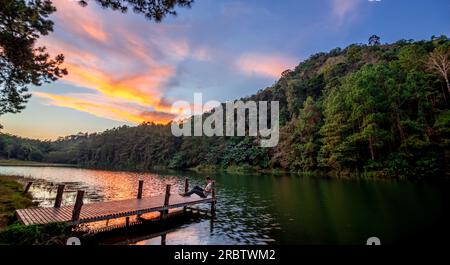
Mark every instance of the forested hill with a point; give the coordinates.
(371, 109)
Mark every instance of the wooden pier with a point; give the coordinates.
(85, 213)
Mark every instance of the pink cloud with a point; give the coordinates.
(264, 64)
(343, 10)
(82, 21)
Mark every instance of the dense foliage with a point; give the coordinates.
(376, 110)
(22, 63)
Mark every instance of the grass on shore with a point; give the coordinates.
(11, 198)
(51, 234)
(14, 233)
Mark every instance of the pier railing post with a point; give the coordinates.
(77, 207)
(141, 186)
(186, 185)
(163, 239)
(139, 195)
(166, 199)
(59, 195)
(127, 225)
(213, 202)
(165, 213)
(186, 189)
(27, 188)
(127, 222)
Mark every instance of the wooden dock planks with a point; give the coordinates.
(106, 210)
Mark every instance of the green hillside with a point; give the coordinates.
(377, 110)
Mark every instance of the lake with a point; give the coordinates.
(272, 209)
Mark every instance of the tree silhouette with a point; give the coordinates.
(286, 73)
(374, 40)
(151, 9)
(21, 62)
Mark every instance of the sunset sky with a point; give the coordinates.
(124, 69)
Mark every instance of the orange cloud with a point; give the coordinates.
(105, 108)
(138, 88)
(264, 65)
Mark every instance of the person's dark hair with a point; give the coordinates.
(208, 178)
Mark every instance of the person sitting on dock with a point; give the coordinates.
(200, 191)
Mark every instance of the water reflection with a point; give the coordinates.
(99, 185)
(267, 209)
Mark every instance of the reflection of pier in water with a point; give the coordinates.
(153, 232)
(162, 235)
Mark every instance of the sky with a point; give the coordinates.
(124, 69)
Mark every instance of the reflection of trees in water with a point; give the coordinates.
(244, 219)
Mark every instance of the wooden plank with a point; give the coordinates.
(45, 216)
(59, 215)
(27, 216)
(21, 218)
(63, 213)
(51, 215)
(24, 219)
(32, 216)
(38, 214)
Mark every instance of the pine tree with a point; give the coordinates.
(21, 62)
(305, 137)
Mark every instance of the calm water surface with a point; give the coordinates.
(267, 209)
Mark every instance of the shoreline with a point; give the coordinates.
(22, 163)
(244, 169)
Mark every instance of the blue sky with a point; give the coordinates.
(124, 69)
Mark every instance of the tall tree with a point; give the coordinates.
(22, 64)
(333, 155)
(305, 140)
